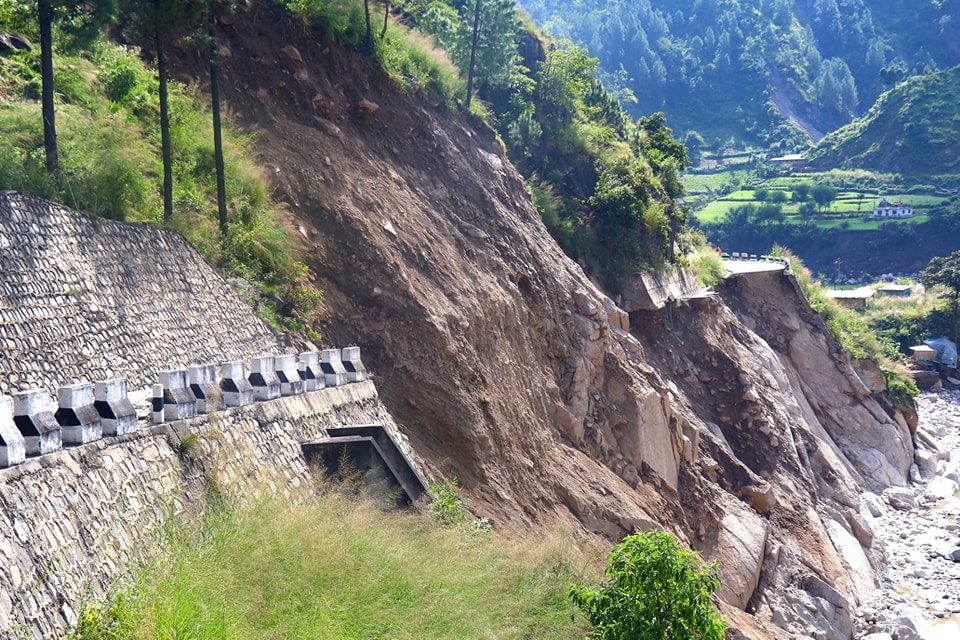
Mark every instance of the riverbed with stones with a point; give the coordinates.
(919, 529)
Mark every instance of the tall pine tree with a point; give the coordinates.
(82, 21)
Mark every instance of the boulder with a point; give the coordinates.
(926, 462)
(900, 498)
(941, 488)
(740, 550)
(872, 504)
(293, 53)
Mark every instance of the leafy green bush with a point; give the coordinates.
(446, 507)
(708, 266)
(654, 590)
(449, 509)
(901, 389)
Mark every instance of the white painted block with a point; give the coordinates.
(13, 449)
(289, 375)
(310, 371)
(72, 396)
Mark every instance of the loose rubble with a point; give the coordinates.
(919, 529)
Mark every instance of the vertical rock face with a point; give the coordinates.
(732, 422)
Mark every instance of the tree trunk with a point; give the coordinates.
(369, 42)
(955, 317)
(45, 15)
(164, 125)
(473, 52)
(217, 128)
(386, 14)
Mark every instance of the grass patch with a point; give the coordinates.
(708, 183)
(333, 566)
(410, 58)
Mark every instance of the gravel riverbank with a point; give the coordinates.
(919, 529)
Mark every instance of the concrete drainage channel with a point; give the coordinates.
(368, 452)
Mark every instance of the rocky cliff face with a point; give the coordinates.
(732, 421)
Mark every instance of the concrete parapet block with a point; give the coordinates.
(350, 356)
(79, 420)
(310, 371)
(13, 449)
(36, 422)
(234, 385)
(203, 383)
(263, 378)
(286, 370)
(334, 373)
(157, 403)
(112, 403)
(179, 403)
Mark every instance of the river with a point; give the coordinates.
(919, 528)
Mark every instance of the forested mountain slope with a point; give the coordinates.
(912, 129)
(755, 69)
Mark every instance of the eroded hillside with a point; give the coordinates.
(733, 422)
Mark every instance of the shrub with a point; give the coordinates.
(654, 590)
(708, 266)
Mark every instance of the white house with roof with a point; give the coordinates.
(887, 209)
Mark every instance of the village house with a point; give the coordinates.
(855, 299)
(895, 290)
(887, 209)
(789, 163)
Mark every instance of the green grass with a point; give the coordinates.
(702, 183)
(411, 60)
(331, 565)
(864, 224)
(715, 210)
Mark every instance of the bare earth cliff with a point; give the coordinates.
(737, 423)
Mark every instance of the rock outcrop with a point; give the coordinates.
(734, 422)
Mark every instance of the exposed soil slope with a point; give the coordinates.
(510, 371)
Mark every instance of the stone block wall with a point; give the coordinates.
(72, 522)
(84, 299)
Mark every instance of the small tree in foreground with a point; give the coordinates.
(946, 272)
(655, 590)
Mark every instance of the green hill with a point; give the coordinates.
(912, 129)
(759, 71)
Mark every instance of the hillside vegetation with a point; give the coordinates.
(107, 113)
(912, 129)
(757, 70)
(606, 185)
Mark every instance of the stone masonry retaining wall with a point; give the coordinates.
(84, 299)
(72, 522)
